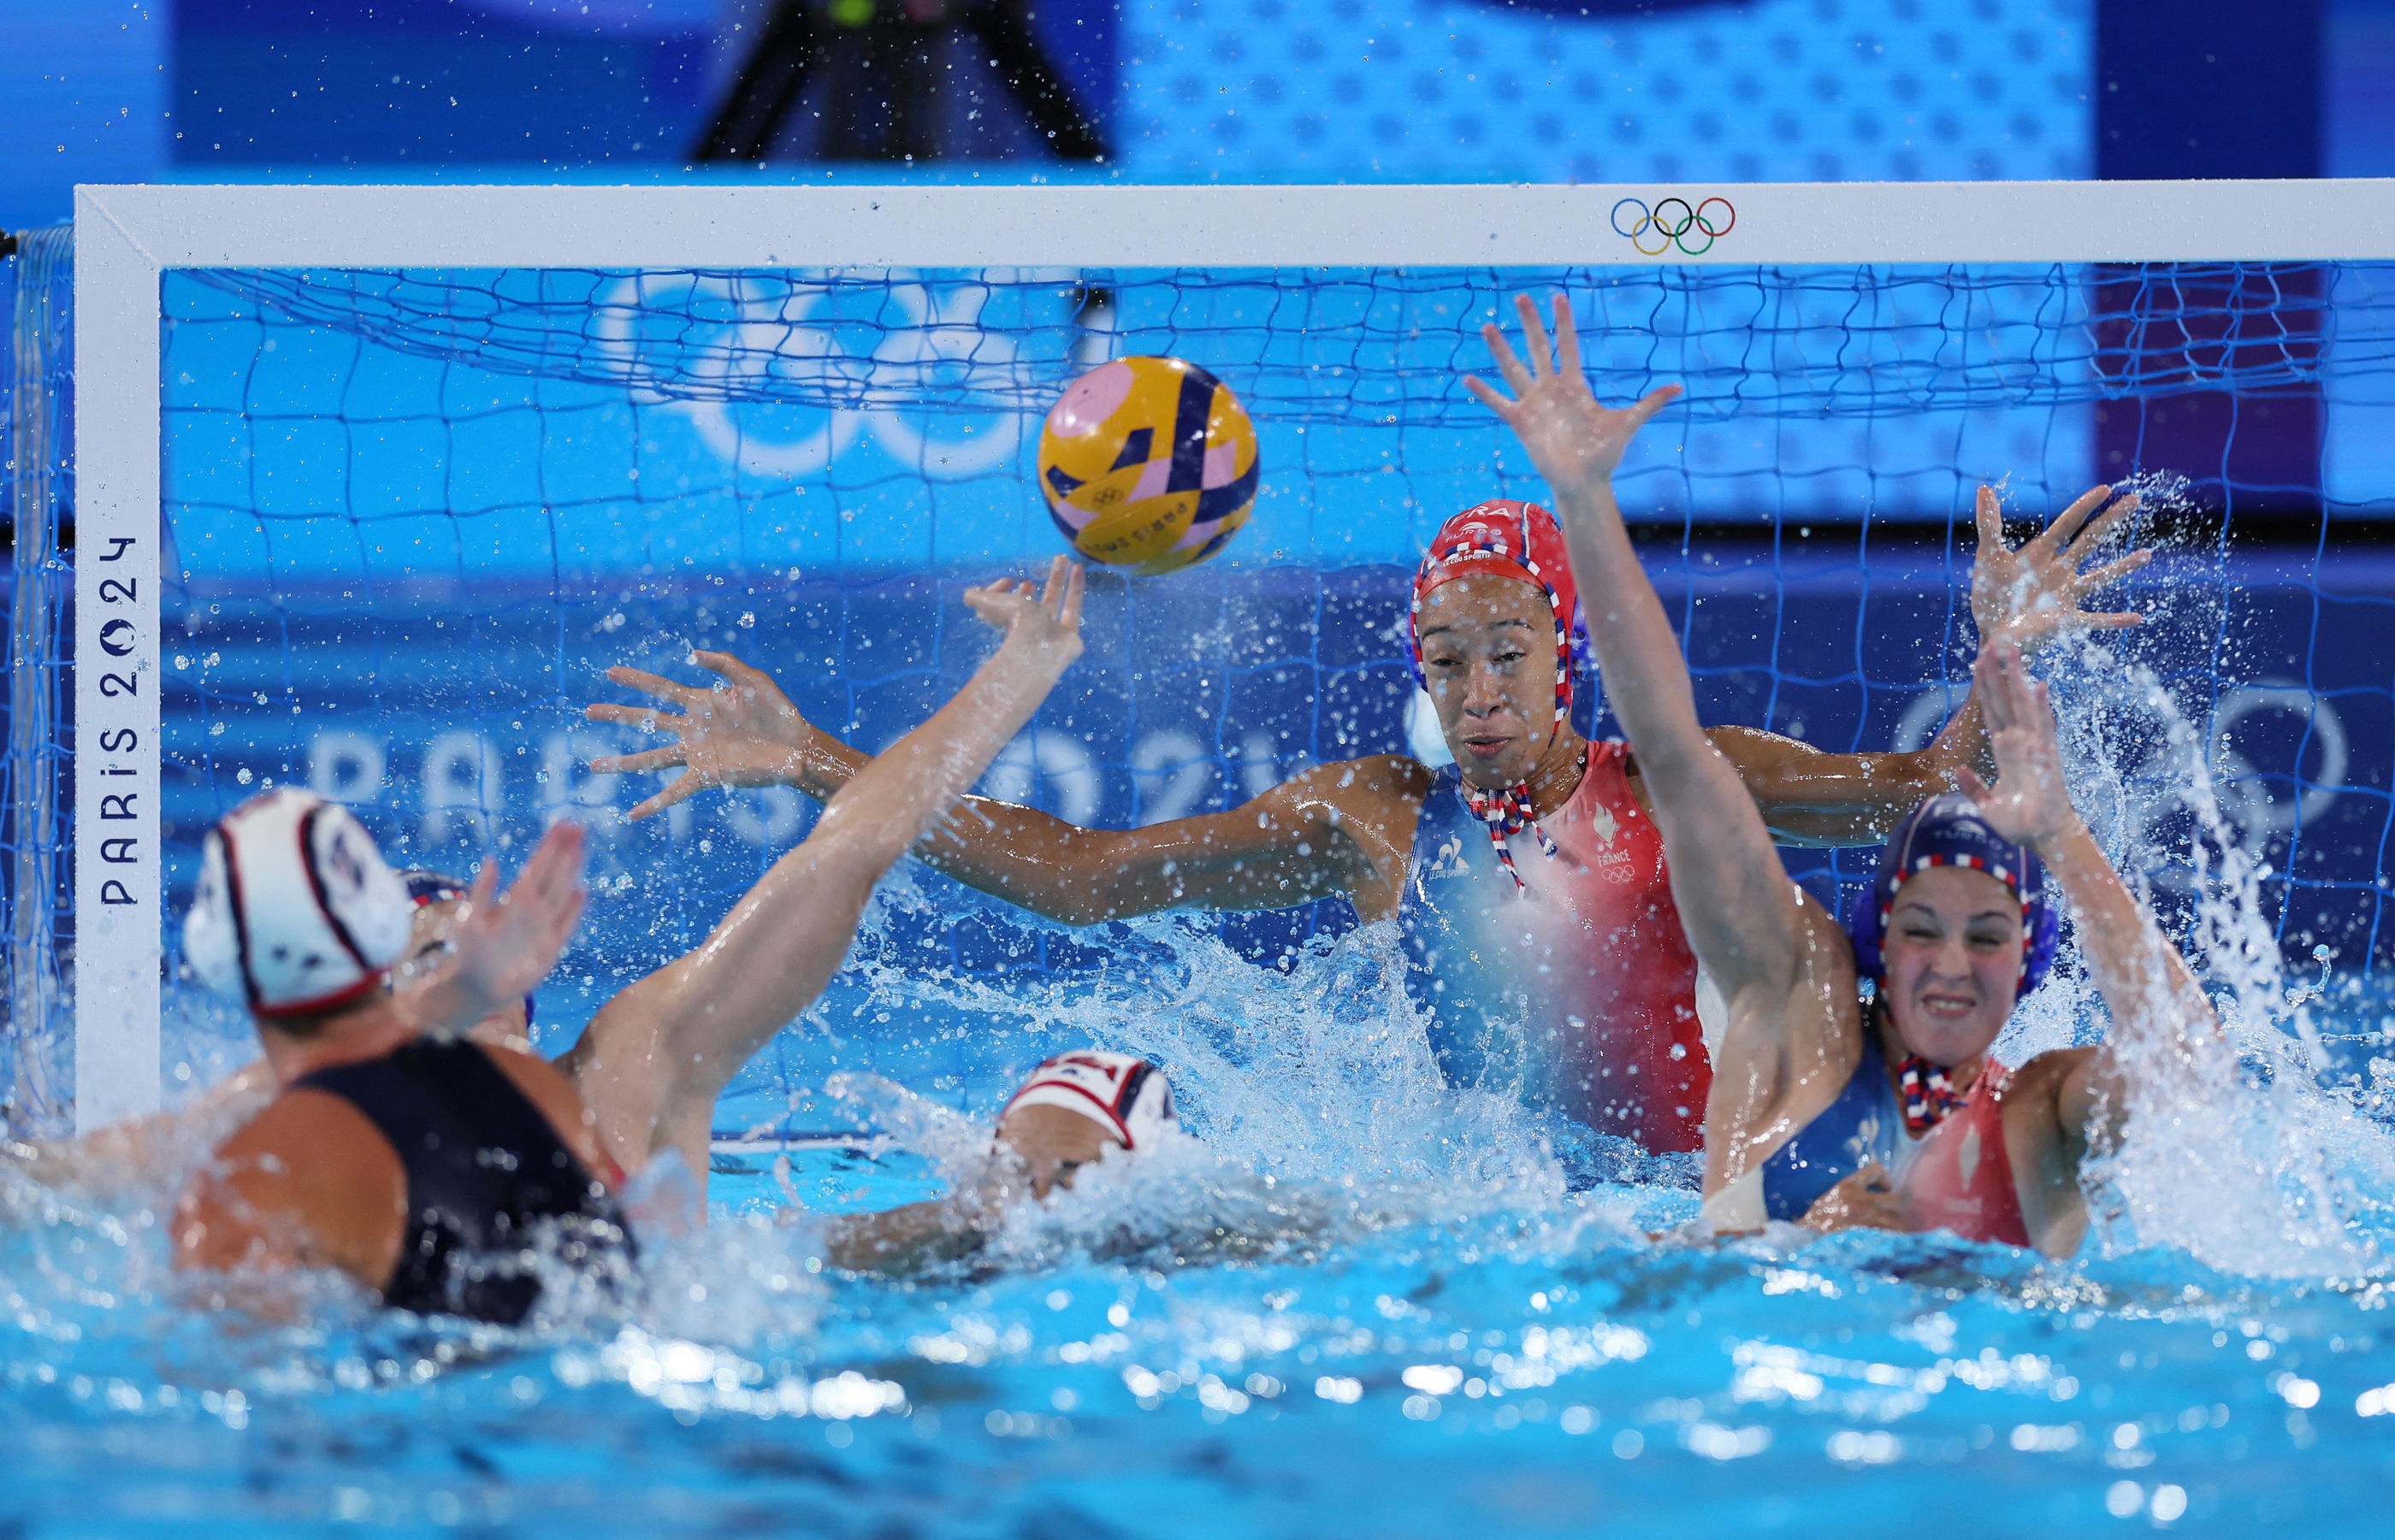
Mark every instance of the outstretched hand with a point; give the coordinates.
(742, 732)
(1042, 626)
(1574, 441)
(2035, 594)
(2030, 801)
(505, 945)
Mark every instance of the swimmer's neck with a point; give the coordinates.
(368, 1030)
(1556, 778)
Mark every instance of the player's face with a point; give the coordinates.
(1054, 1143)
(1488, 658)
(1953, 957)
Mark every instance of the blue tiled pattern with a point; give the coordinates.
(1787, 90)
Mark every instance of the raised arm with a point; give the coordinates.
(2028, 596)
(2159, 1010)
(1732, 892)
(1301, 840)
(657, 1055)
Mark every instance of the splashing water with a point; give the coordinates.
(2234, 1152)
(1357, 1300)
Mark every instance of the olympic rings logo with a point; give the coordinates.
(1673, 221)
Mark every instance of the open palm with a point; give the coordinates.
(1573, 440)
(741, 732)
(2038, 592)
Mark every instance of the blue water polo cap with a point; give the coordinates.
(1949, 830)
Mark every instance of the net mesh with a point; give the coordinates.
(36, 500)
(416, 514)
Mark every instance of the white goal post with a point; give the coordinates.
(127, 237)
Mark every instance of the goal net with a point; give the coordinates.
(377, 482)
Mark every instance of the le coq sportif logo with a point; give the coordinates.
(1673, 223)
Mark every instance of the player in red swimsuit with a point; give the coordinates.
(1959, 918)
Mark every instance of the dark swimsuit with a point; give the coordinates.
(494, 1197)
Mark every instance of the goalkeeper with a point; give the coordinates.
(1527, 880)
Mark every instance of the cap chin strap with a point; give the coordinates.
(1508, 812)
(1927, 1094)
(1924, 1088)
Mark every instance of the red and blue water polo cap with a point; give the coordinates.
(1511, 539)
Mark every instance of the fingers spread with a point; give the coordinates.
(1489, 396)
(654, 684)
(646, 717)
(486, 882)
(1071, 613)
(1508, 366)
(1990, 515)
(676, 790)
(1534, 336)
(2112, 571)
(2057, 533)
(638, 764)
(731, 668)
(1654, 402)
(1566, 338)
(2092, 537)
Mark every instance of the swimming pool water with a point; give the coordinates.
(1364, 1305)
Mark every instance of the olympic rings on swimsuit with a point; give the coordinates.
(1671, 221)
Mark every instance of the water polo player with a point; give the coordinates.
(419, 1161)
(1527, 880)
(1824, 1106)
(1073, 1111)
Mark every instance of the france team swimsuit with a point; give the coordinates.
(1957, 1177)
(1575, 988)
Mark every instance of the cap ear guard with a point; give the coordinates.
(211, 939)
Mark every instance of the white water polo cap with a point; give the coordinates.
(296, 910)
(1122, 1093)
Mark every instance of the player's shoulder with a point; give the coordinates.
(2043, 1076)
(303, 1137)
(1374, 788)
